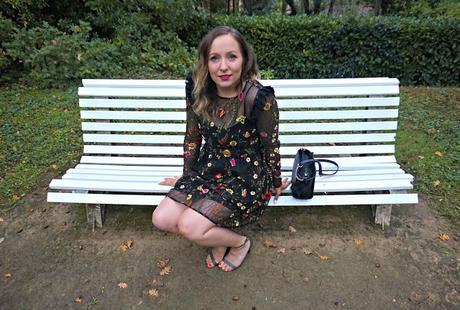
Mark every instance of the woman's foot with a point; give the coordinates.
(215, 256)
(235, 256)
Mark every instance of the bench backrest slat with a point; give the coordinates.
(143, 121)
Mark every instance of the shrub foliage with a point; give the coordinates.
(158, 39)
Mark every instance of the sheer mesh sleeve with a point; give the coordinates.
(193, 137)
(267, 117)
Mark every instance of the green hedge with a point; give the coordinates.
(417, 51)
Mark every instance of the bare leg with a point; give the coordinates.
(167, 214)
(202, 231)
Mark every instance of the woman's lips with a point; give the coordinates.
(224, 77)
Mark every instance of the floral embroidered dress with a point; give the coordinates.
(229, 178)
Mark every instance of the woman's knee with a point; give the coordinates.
(164, 216)
(191, 226)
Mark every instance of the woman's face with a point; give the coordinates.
(225, 64)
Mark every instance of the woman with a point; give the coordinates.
(227, 182)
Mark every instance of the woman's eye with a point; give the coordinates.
(232, 57)
(214, 58)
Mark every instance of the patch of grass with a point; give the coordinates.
(428, 144)
(40, 133)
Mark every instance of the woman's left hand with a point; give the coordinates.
(284, 184)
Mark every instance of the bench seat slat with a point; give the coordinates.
(158, 178)
(286, 163)
(293, 139)
(177, 171)
(287, 150)
(342, 161)
(150, 187)
(284, 127)
(318, 200)
(284, 115)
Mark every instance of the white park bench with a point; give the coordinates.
(133, 133)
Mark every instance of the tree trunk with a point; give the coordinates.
(378, 7)
(331, 7)
(316, 7)
(306, 7)
(292, 7)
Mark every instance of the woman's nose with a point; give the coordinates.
(223, 65)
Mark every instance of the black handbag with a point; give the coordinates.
(304, 173)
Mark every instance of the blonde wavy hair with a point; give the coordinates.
(205, 89)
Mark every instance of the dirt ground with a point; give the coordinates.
(335, 259)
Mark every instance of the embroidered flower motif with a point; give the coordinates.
(255, 176)
(187, 154)
(256, 163)
(189, 196)
(244, 192)
(248, 159)
(229, 190)
(233, 143)
(205, 190)
(241, 119)
(192, 146)
(263, 134)
(211, 124)
(247, 134)
(241, 97)
(227, 153)
(267, 106)
(233, 162)
(209, 164)
(253, 193)
(182, 186)
(218, 175)
(220, 112)
(239, 204)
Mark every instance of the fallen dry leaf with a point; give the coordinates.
(1, 220)
(323, 257)
(122, 285)
(8, 275)
(54, 166)
(153, 292)
(292, 229)
(438, 153)
(282, 250)
(78, 300)
(15, 197)
(358, 241)
(431, 130)
(444, 237)
(236, 297)
(436, 183)
(163, 262)
(126, 245)
(166, 270)
(307, 251)
(269, 244)
(421, 157)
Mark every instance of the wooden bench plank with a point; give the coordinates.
(282, 103)
(284, 115)
(283, 127)
(149, 187)
(292, 139)
(286, 163)
(287, 150)
(319, 200)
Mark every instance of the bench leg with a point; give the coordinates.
(382, 213)
(95, 214)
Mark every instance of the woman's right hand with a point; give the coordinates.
(169, 181)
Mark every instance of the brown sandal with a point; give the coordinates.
(229, 263)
